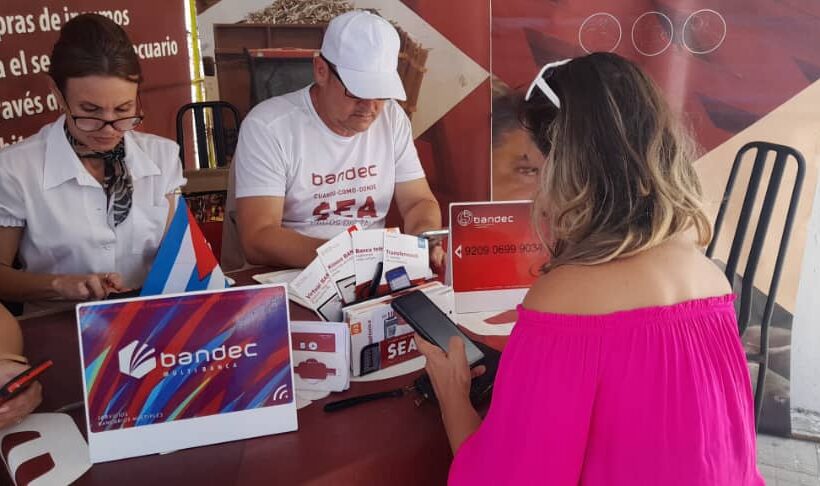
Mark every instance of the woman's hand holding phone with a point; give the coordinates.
(17, 408)
(451, 377)
(449, 372)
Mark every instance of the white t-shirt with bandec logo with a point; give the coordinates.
(329, 182)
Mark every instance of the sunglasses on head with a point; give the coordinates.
(539, 84)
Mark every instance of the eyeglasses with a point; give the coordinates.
(93, 124)
(540, 82)
(347, 91)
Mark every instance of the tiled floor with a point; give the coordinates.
(788, 462)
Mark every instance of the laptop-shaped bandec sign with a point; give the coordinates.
(177, 371)
(495, 254)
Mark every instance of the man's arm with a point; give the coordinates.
(264, 240)
(418, 207)
(420, 212)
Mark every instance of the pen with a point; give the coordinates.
(377, 278)
(349, 402)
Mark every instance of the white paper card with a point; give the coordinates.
(54, 434)
(337, 257)
(283, 277)
(408, 251)
(315, 286)
(321, 355)
(368, 253)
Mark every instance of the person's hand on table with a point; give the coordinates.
(15, 410)
(94, 286)
(437, 256)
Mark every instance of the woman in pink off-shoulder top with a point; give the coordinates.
(625, 366)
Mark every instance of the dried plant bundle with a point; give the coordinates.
(299, 12)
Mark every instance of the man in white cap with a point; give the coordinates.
(313, 162)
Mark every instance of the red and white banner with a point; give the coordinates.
(28, 31)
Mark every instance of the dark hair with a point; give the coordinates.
(506, 116)
(619, 176)
(510, 112)
(505, 110)
(89, 45)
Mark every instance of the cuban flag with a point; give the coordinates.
(184, 262)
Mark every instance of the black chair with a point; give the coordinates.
(277, 71)
(224, 137)
(782, 155)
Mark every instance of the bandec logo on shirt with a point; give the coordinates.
(350, 174)
(345, 202)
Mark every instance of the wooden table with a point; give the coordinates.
(390, 441)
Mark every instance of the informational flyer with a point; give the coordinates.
(495, 254)
(337, 257)
(315, 286)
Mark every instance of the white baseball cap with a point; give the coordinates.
(365, 50)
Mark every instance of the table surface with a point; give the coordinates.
(390, 441)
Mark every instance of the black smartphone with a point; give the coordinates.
(432, 323)
(124, 295)
(397, 279)
(19, 383)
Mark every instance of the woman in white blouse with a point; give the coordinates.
(84, 202)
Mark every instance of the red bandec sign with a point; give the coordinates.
(495, 254)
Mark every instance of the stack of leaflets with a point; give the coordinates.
(349, 285)
(358, 265)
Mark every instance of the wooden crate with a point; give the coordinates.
(412, 61)
(233, 71)
(230, 42)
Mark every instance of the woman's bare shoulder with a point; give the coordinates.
(660, 276)
(563, 289)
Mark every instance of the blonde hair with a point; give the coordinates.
(619, 177)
